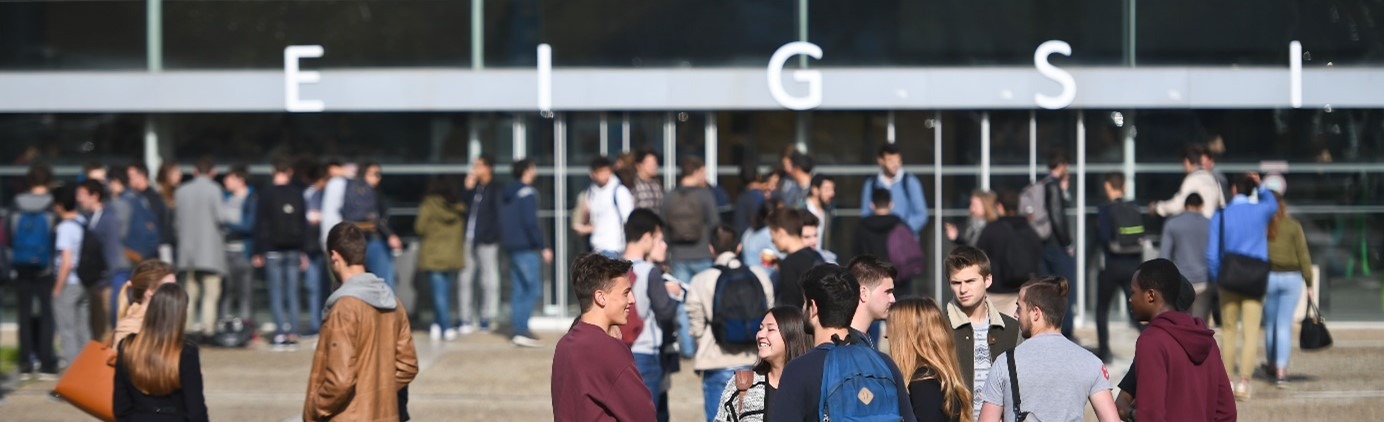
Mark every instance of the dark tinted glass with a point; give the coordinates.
(71, 138)
(72, 35)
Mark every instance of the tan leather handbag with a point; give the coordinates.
(89, 383)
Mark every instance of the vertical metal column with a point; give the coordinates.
(800, 131)
(521, 137)
(712, 164)
(670, 164)
(985, 150)
(560, 216)
(625, 133)
(1129, 134)
(153, 35)
(937, 204)
(605, 135)
(477, 34)
(1080, 218)
(891, 134)
(473, 138)
(1032, 146)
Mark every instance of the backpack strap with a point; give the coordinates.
(1019, 414)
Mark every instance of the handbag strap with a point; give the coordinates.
(1014, 386)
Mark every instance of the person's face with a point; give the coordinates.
(373, 176)
(890, 163)
(86, 200)
(1188, 165)
(336, 171)
(96, 174)
(772, 347)
(968, 286)
(648, 167)
(787, 163)
(615, 302)
(658, 249)
(809, 236)
(530, 174)
(827, 192)
(480, 169)
(772, 182)
(1060, 171)
(173, 177)
(233, 182)
(138, 181)
(1025, 314)
(879, 299)
(1140, 301)
(1207, 162)
(601, 176)
(977, 208)
(1112, 193)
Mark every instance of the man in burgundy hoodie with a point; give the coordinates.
(1181, 377)
(594, 378)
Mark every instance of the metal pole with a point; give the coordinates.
(605, 135)
(560, 207)
(670, 133)
(1129, 134)
(625, 133)
(473, 136)
(477, 34)
(937, 203)
(1032, 146)
(891, 135)
(1080, 218)
(985, 150)
(153, 35)
(712, 165)
(521, 137)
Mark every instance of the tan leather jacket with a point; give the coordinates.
(364, 357)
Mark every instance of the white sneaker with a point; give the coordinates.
(524, 341)
(450, 334)
(466, 329)
(435, 333)
(47, 376)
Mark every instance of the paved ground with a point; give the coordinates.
(483, 378)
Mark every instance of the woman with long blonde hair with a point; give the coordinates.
(158, 374)
(920, 342)
(144, 280)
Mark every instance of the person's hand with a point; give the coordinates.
(1153, 208)
(1254, 175)
(314, 217)
(674, 288)
(57, 290)
(1124, 404)
(302, 262)
(395, 243)
(1071, 251)
(547, 256)
(471, 180)
(257, 261)
(951, 232)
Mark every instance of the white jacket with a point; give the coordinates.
(609, 207)
(1200, 182)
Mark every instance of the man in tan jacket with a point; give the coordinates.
(718, 362)
(365, 351)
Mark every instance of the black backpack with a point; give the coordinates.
(737, 308)
(91, 261)
(359, 204)
(1127, 225)
(233, 332)
(285, 220)
(685, 215)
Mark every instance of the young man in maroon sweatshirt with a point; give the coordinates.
(1181, 377)
(594, 378)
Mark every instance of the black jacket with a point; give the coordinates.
(486, 210)
(1014, 250)
(1056, 203)
(284, 201)
(185, 404)
(872, 237)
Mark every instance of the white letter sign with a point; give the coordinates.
(812, 78)
(545, 77)
(1040, 60)
(293, 77)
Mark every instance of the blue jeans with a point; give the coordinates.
(525, 289)
(650, 369)
(281, 270)
(118, 280)
(713, 383)
(1280, 301)
(441, 290)
(379, 260)
(683, 271)
(314, 281)
(1057, 262)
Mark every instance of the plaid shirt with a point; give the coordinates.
(648, 194)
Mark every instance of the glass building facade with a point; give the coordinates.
(424, 85)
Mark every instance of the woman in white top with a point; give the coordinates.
(782, 337)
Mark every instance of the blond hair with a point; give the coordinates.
(920, 342)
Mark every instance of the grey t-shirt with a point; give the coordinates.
(1056, 379)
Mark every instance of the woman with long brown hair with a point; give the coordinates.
(782, 337)
(920, 342)
(1291, 271)
(144, 280)
(158, 375)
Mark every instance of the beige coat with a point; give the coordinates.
(699, 305)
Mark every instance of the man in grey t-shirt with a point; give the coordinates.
(1056, 377)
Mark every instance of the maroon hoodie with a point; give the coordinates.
(594, 379)
(1181, 377)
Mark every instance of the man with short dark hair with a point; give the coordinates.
(798, 168)
(820, 195)
(656, 302)
(786, 227)
(238, 227)
(365, 352)
(483, 200)
(1184, 242)
(831, 294)
(522, 238)
(715, 362)
(30, 227)
(1056, 377)
(648, 189)
(909, 202)
(608, 206)
(103, 223)
(872, 235)
(1198, 180)
(1059, 252)
(201, 247)
(982, 332)
(1118, 223)
(281, 237)
(1181, 376)
(593, 375)
(876, 277)
(138, 176)
(71, 300)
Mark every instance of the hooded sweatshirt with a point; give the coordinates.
(364, 357)
(1181, 377)
(872, 238)
(367, 287)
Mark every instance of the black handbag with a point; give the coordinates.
(1241, 274)
(1314, 335)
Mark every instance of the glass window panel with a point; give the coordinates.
(382, 137)
(846, 138)
(355, 33)
(1251, 136)
(71, 138)
(77, 34)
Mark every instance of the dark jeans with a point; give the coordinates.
(316, 282)
(379, 260)
(1115, 278)
(237, 288)
(651, 369)
(281, 270)
(526, 288)
(1057, 262)
(36, 331)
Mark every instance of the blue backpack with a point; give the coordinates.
(857, 385)
(143, 237)
(737, 309)
(359, 203)
(32, 237)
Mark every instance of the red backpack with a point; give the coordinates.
(633, 324)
